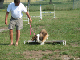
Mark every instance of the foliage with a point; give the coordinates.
(1, 0)
(1, 3)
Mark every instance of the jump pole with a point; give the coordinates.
(54, 10)
(28, 12)
(26, 15)
(40, 13)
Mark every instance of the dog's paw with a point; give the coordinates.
(42, 43)
(37, 40)
(47, 37)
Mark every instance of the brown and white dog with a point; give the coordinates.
(42, 36)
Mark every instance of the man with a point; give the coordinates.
(16, 9)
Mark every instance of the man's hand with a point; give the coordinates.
(6, 17)
(6, 22)
(29, 17)
(30, 21)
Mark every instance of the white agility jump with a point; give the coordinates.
(40, 16)
(46, 12)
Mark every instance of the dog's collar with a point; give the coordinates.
(38, 37)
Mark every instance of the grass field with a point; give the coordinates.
(66, 26)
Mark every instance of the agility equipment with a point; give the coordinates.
(40, 16)
(47, 12)
(48, 42)
(27, 19)
(44, 13)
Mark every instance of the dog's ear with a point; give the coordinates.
(45, 34)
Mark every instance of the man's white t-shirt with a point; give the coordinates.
(16, 11)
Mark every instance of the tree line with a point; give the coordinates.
(1, 3)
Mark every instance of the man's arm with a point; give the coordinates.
(6, 17)
(28, 16)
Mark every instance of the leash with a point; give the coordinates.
(31, 30)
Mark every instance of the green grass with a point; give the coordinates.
(66, 26)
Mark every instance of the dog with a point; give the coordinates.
(42, 36)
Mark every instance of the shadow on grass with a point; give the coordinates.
(37, 43)
(3, 44)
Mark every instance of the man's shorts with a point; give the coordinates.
(16, 22)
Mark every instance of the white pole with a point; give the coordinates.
(65, 42)
(40, 13)
(54, 10)
(24, 41)
(26, 15)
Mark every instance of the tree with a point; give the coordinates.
(1, 3)
(50, 2)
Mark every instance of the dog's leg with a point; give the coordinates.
(42, 43)
(44, 39)
(38, 37)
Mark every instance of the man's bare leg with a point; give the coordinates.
(17, 36)
(11, 36)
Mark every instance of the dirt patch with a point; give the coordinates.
(57, 51)
(65, 57)
(41, 27)
(48, 54)
(2, 29)
(77, 28)
(74, 45)
(36, 54)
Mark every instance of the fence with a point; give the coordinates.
(6, 1)
(59, 4)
